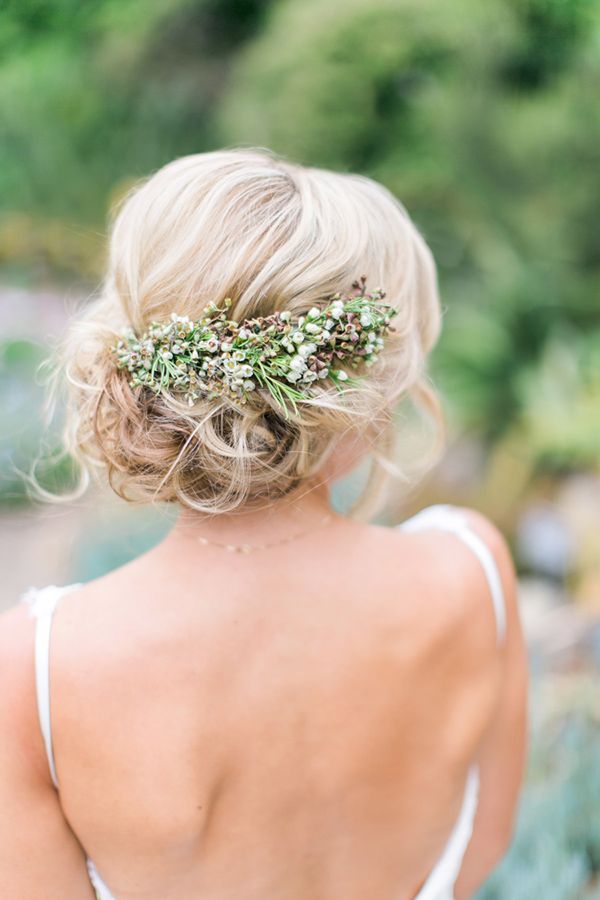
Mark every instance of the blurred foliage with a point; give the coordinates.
(25, 446)
(106, 90)
(114, 539)
(481, 117)
(556, 849)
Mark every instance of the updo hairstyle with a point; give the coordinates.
(271, 235)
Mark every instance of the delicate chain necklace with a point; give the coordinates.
(249, 548)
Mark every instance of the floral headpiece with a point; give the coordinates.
(285, 355)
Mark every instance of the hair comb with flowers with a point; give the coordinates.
(285, 355)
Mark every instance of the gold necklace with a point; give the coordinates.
(249, 548)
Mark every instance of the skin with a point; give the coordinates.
(295, 723)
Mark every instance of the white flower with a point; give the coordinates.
(244, 333)
(226, 345)
(297, 337)
(285, 316)
(313, 313)
(337, 311)
(247, 371)
(366, 320)
(249, 385)
(297, 363)
(311, 328)
(342, 376)
(307, 350)
(240, 355)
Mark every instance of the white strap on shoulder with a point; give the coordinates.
(449, 518)
(42, 604)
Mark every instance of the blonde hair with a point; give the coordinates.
(272, 235)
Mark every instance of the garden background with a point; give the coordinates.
(482, 117)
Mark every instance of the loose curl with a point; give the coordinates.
(272, 235)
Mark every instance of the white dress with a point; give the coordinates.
(440, 883)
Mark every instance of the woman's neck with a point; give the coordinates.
(301, 511)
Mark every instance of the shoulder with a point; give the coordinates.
(455, 576)
(437, 627)
(491, 536)
(32, 826)
(18, 709)
(491, 571)
(16, 651)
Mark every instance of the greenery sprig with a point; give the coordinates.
(285, 355)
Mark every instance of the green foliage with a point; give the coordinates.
(98, 92)
(113, 540)
(556, 851)
(22, 435)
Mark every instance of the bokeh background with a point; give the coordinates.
(483, 118)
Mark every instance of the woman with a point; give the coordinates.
(277, 701)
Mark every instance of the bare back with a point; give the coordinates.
(301, 729)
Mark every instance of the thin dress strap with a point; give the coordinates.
(42, 604)
(450, 518)
(440, 882)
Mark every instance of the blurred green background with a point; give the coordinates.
(483, 118)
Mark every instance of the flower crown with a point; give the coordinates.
(283, 354)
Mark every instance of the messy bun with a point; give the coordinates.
(272, 236)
